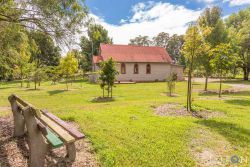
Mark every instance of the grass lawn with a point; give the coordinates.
(126, 132)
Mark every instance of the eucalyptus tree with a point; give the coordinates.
(96, 34)
(223, 61)
(60, 19)
(140, 41)
(213, 33)
(239, 30)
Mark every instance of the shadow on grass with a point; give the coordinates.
(225, 92)
(32, 89)
(54, 92)
(102, 99)
(233, 81)
(236, 135)
(241, 102)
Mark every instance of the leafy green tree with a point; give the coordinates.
(68, 66)
(47, 54)
(174, 47)
(238, 25)
(12, 39)
(81, 59)
(53, 73)
(108, 73)
(162, 40)
(59, 18)
(38, 75)
(171, 81)
(172, 44)
(213, 33)
(90, 45)
(223, 61)
(140, 41)
(191, 50)
(28, 73)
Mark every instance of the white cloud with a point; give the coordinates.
(237, 2)
(150, 19)
(207, 1)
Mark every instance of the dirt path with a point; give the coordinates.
(209, 149)
(14, 151)
(235, 86)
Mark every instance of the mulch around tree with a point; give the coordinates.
(177, 110)
(14, 151)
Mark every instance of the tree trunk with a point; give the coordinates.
(28, 84)
(82, 73)
(246, 73)
(189, 95)
(108, 90)
(39, 83)
(111, 91)
(67, 83)
(103, 92)
(189, 102)
(206, 81)
(21, 77)
(35, 85)
(220, 83)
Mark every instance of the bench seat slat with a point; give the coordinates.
(78, 135)
(53, 139)
(63, 134)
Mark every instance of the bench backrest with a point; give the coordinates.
(53, 128)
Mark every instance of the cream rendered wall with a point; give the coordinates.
(159, 71)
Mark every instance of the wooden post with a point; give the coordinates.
(19, 124)
(37, 144)
(71, 151)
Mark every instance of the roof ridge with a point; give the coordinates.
(131, 45)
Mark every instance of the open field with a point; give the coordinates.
(127, 132)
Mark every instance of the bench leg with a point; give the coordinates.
(71, 151)
(37, 144)
(19, 124)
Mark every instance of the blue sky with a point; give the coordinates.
(125, 19)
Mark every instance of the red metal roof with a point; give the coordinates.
(131, 53)
(97, 59)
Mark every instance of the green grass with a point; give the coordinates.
(126, 132)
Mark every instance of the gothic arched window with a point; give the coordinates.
(148, 69)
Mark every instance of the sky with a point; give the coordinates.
(126, 19)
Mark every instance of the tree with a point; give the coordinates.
(140, 41)
(238, 25)
(213, 33)
(245, 45)
(108, 73)
(13, 38)
(223, 61)
(172, 44)
(47, 54)
(174, 47)
(61, 19)
(28, 73)
(191, 50)
(90, 45)
(81, 59)
(38, 76)
(162, 40)
(68, 66)
(54, 74)
(171, 80)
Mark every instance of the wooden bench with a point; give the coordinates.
(45, 131)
